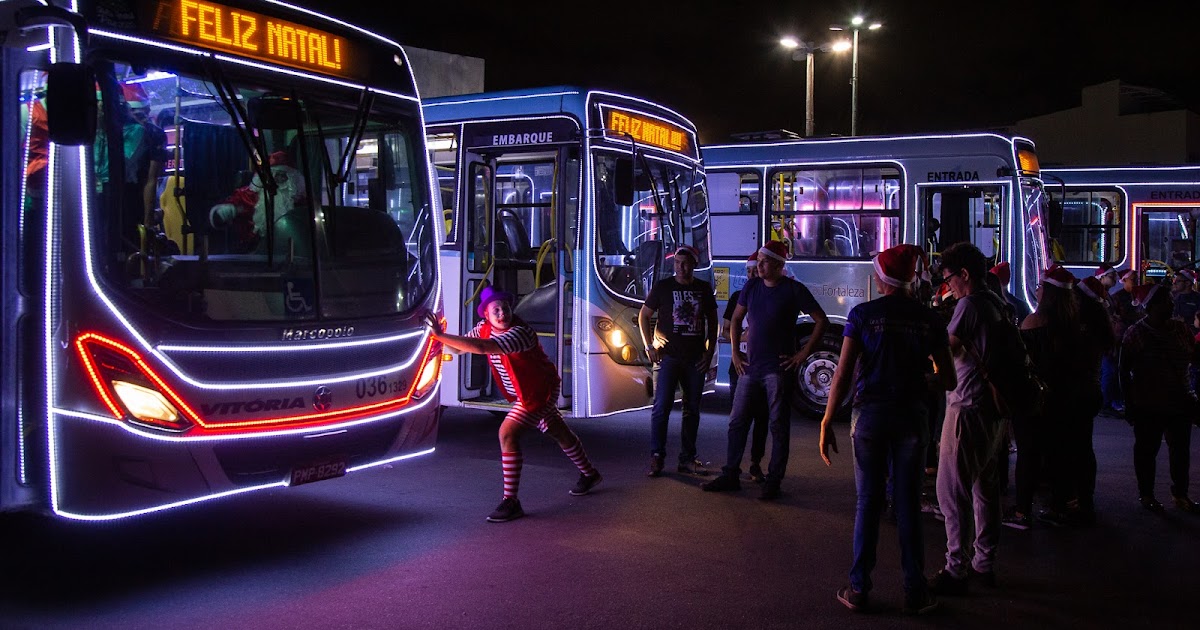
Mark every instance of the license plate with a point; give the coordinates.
(318, 471)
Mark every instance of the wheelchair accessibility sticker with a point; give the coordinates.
(299, 297)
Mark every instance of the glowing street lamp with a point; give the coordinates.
(857, 23)
(808, 49)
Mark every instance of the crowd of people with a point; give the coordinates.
(918, 368)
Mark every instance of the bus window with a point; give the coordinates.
(1169, 238)
(836, 212)
(1091, 230)
(963, 214)
(525, 222)
(735, 204)
(479, 251)
(669, 209)
(443, 154)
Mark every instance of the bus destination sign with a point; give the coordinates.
(652, 131)
(218, 27)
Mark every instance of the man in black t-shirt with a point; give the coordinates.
(682, 343)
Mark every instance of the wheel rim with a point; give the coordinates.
(816, 376)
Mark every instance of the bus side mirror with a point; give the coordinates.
(71, 104)
(273, 112)
(623, 182)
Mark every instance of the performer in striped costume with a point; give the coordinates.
(528, 379)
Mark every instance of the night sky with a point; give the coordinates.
(935, 66)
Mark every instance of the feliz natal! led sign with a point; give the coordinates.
(648, 130)
(249, 34)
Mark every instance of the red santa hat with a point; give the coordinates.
(1190, 274)
(135, 96)
(1127, 273)
(1092, 288)
(1058, 276)
(1002, 272)
(752, 260)
(776, 250)
(1143, 293)
(1105, 269)
(897, 266)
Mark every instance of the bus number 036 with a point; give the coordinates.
(380, 386)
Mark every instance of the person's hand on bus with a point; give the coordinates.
(435, 326)
(793, 361)
(739, 361)
(828, 439)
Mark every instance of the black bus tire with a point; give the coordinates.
(814, 378)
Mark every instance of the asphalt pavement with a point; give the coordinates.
(407, 546)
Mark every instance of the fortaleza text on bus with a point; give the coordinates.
(829, 290)
(953, 176)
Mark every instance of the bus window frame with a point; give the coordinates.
(1118, 212)
(768, 206)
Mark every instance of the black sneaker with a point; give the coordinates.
(1150, 503)
(770, 492)
(944, 583)
(586, 483)
(1053, 518)
(984, 578)
(509, 509)
(920, 603)
(852, 599)
(1016, 520)
(1186, 504)
(656, 466)
(694, 467)
(722, 483)
(756, 473)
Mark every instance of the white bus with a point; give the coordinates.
(219, 254)
(573, 200)
(1130, 217)
(837, 201)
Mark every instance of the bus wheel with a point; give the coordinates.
(815, 377)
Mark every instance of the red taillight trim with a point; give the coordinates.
(108, 397)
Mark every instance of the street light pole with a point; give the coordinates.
(797, 46)
(856, 25)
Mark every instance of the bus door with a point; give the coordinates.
(514, 223)
(1166, 239)
(958, 213)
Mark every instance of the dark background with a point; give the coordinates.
(937, 65)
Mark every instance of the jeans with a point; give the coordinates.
(1148, 433)
(968, 485)
(896, 441)
(673, 372)
(1110, 387)
(772, 393)
(758, 436)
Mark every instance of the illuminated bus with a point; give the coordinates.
(837, 201)
(1130, 217)
(220, 254)
(574, 200)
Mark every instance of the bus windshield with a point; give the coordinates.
(1034, 203)
(670, 209)
(229, 198)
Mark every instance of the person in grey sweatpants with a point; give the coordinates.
(969, 469)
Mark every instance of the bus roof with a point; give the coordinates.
(559, 99)
(1179, 174)
(860, 148)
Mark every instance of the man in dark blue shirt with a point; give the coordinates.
(768, 368)
(886, 349)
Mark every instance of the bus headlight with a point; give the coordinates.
(146, 404)
(430, 373)
(617, 342)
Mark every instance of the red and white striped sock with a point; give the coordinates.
(580, 458)
(511, 464)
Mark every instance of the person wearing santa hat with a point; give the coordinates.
(885, 351)
(1107, 275)
(528, 379)
(1003, 275)
(1099, 330)
(1054, 338)
(768, 368)
(681, 342)
(1187, 300)
(1125, 314)
(969, 469)
(1159, 400)
(758, 437)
